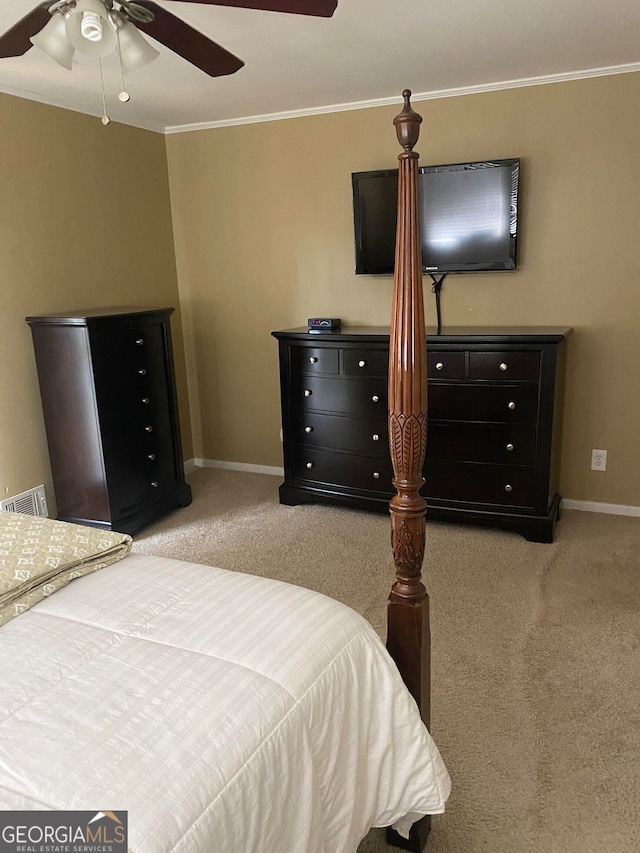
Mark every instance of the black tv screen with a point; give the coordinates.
(468, 217)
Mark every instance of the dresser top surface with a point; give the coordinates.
(447, 334)
(80, 318)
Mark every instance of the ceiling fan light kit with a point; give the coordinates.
(95, 28)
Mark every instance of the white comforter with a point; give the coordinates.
(223, 711)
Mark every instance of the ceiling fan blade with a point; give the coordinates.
(15, 41)
(319, 8)
(188, 43)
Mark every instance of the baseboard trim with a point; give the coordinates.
(239, 466)
(596, 506)
(583, 506)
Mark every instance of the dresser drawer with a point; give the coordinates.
(332, 431)
(343, 469)
(468, 482)
(122, 380)
(129, 440)
(367, 398)
(120, 347)
(514, 404)
(366, 362)
(141, 489)
(511, 366)
(315, 360)
(507, 445)
(445, 365)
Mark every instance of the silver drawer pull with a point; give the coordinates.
(312, 359)
(503, 366)
(151, 457)
(155, 484)
(308, 429)
(142, 372)
(376, 475)
(375, 436)
(362, 363)
(140, 341)
(375, 398)
(439, 365)
(508, 488)
(307, 392)
(509, 446)
(512, 405)
(148, 429)
(145, 400)
(310, 464)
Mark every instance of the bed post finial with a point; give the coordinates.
(408, 606)
(407, 124)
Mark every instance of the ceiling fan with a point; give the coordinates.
(98, 27)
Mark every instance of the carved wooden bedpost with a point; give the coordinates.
(408, 639)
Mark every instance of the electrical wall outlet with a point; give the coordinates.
(598, 460)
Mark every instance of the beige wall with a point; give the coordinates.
(263, 228)
(85, 221)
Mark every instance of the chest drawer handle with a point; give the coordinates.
(375, 436)
(145, 400)
(312, 359)
(139, 341)
(376, 475)
(142, 372)
(151, 457)
(439, 365)
(362, 363)
(155, 484)
(148, 429)
(508, 488)
(308, 429)
(512, 405)
(503, 366)
(375, 398)
(310, 464)
(307, 392)
(509, 446)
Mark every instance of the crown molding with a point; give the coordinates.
(331, 108)
(63, 104)
(415, 97)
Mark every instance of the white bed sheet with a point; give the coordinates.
(223, 711)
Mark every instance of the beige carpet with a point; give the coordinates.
(536, 653)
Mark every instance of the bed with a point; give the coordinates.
(218, 710)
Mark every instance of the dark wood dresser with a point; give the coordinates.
(493, 436)
(109, 400)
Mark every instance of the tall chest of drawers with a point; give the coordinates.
(494, 423)
(109, 402)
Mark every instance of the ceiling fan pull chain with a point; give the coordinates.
(105, 117)
(124, 96)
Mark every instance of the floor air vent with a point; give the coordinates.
(33, 502)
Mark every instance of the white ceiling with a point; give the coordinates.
(366, 54)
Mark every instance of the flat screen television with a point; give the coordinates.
(468, 217)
